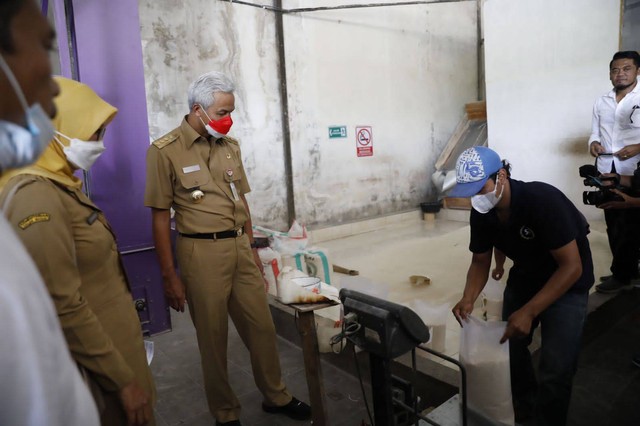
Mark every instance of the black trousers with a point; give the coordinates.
(623, 232)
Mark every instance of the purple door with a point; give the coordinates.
(109, 59)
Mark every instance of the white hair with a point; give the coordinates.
(202, 90)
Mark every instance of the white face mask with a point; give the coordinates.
(21, 146)
(483, 203)
(82, 154)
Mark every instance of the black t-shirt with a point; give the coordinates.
(541, 219)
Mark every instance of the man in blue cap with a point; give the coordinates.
(544, 234)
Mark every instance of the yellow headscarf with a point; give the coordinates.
(81, 112)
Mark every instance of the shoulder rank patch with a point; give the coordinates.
(231, 140)
(166, 140)
(34, 218)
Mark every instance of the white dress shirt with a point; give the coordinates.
(40, 385)
(616, 125)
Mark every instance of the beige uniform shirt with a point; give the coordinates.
(41, 384)
(182, 162)
(76, 254)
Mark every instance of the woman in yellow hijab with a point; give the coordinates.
(75, 250)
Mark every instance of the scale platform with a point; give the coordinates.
(448, 414)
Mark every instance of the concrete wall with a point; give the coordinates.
(407, 71)
(546, 63)
(182, 39)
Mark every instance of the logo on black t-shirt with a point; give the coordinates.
(527, 233)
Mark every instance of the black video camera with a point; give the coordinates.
(592, 177)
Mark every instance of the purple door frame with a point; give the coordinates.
(108, 58)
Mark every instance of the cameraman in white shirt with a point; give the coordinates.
(616, 131)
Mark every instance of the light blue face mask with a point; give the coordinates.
(21, 146)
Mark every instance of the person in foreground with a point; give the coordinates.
(197, 170)
(75, 250)
(545, 236)
(39, 382)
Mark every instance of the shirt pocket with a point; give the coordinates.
(195, 179)
(634, 116)
(232, 174)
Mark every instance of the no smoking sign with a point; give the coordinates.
(364, 141)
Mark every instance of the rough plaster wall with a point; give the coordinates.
(631, 25)
(543, 74)
(407, 71)
(184, 38)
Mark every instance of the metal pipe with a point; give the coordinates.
(414, 377)
(364, 6)
(341, 7)
(261, 6)
(480, 51)
(139, 250)
(71, 36)
(414, 412)
(75, 70)
(284, 100)
(463, 378)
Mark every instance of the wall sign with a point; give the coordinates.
(364, 141)
(337, 132)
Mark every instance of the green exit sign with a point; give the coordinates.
(337, 132)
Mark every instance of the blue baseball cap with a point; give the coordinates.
(473, 168)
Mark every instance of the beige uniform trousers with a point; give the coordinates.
(222, 280)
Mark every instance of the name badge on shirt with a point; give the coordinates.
(191, 169)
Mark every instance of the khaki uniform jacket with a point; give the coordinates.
(75, 250)
(182, 162)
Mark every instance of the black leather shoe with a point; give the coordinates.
(231, 423)
(295, 409)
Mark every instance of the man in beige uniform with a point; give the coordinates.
(198, 171)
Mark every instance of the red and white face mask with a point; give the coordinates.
(217, 128)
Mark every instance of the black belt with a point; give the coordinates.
(233, 233)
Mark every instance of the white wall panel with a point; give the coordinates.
(546, 63)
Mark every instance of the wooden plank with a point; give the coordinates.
(462, 127)
(307, 307)
(476, 110)
(457, 203)
(343, 270)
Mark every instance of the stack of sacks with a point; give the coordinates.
(318, 265)
(288, 264)
(285, 249)
(292, 249)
